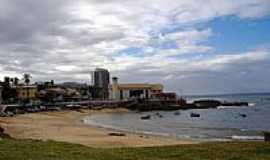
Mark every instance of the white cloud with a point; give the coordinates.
(200, 10)
(190, 36)
(64, 39)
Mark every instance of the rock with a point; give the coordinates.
(235, 104)
(117, 134)
(267, 136)
(207, 103)
(3, 134)
(10, 114)
(1, 130)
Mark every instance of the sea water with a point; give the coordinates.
(221, 123)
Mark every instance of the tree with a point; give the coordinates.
(6, 81)
(9, 94)
(27, 78)
(16, 81)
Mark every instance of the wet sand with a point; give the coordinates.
(67, 126)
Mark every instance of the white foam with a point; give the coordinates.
(227, 107)
(251, 104)
(248, 137)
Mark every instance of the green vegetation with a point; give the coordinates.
(11, 149)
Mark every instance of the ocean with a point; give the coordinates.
(221, 123)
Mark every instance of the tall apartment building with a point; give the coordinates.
(100, 80)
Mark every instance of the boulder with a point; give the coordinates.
(267, 136)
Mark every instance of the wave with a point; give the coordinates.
(235, 137)
(227, 107)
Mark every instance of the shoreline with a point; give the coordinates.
(152, 134)
(245, 135)
(68, 126)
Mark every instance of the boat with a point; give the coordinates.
(146, 117)
(242, 115)
(159, 115)
(73, 106)
(194, 114)
(177, 113)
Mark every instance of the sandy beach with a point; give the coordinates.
(67, 126)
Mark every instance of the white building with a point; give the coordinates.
(132, 90)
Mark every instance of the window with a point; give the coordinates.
(135, 93)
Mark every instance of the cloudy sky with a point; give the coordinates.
(191, 46)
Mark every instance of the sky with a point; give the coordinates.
(190, 46)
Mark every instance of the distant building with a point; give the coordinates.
(27, 92)
(133, 90)
(45, 85)
(165, 96)
(100, 80)
(81, 88)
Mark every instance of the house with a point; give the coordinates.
(27, 92)
(50, 94)
(133, 90)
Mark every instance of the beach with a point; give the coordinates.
(68, 126)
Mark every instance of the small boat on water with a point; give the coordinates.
(159, 115)
(195, 114)
(242, 115)
(146, 117)
(177, 113)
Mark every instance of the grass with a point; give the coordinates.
(12, 149)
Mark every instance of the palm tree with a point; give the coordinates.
(27, 78)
